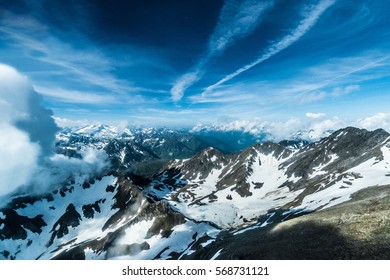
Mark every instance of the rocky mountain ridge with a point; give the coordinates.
(210, 183)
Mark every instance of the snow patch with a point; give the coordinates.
(91, 255)
(136, 233)
(319, 170)
(217, 254)
(208, 242)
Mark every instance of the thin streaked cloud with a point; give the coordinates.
(304, 26)
(237, 20)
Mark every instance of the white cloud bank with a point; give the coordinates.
(18, 158)
(309, 129)
(60, 169)
(314, 127)
(19, 155)
(27, 135)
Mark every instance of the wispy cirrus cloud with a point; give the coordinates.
(89, 66)
(237, 20)
(338, 77)
(77, 63)
(365, 66)
(236, 94)
(311, 16)
(318, 94)
(183, 83)
(76, 97)
(328, 80)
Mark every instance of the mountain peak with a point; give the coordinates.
(359, 131)
(357, 137)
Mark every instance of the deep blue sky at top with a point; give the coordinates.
(178, 62)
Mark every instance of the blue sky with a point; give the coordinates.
(180, 63)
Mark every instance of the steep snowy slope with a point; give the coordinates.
(107, 218)
(227, 190)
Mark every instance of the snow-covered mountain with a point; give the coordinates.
(193, 207)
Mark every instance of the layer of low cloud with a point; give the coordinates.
(309, 129)
(64, 122)
(21, 107)
(314, 127)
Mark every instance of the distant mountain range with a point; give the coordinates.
(130, 147)
(175, 195)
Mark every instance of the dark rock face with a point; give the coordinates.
(170, 144)
(23, 201)
(71, 218)
(128, 199)
(14, 225)
(165, 219)
(90, 209)
(294, 144)
(125, 153)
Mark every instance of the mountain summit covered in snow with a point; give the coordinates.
(171, 195)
